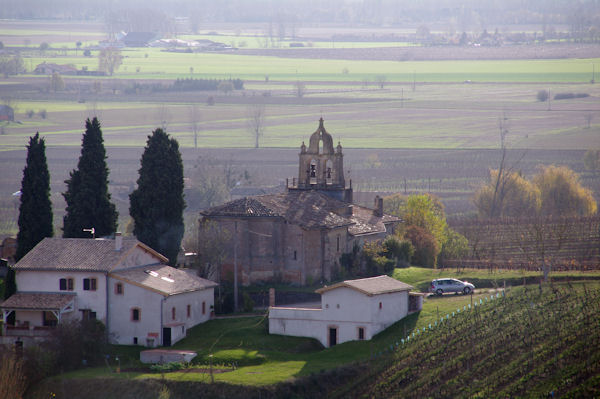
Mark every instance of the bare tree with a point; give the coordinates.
(195, 119)
(109, 60)
(299, 89)
(588, 118)
(256, 122)
(164, 116)
(504, 171)
(212, 246)
(381, 80)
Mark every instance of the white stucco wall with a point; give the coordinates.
(137, 257)
(180, 302)
(121, 328)
(48, 281)
(151, 304)
(345, 309)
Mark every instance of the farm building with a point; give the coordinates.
(121, 282)
(7, 113)
(350, 310)
(139, 39)
(46, 68)
(299, 235)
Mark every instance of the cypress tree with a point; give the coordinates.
(87, 196)
(35, 211)
(157, 204)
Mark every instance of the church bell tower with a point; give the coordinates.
(321, 168)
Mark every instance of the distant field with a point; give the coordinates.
(431, 116)
(169, 65)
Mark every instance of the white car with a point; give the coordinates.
(443, 285)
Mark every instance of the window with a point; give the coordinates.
(295, 255)
(135, 341)
(189, 311)
(203, 307)
(135, 314)
(89, 284)
(361, 333)
(66, 284)
(119, 288)
(380, 305)
(173, 313)
(87, 314)
(338, 243)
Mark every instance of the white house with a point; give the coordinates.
(122, 282)
(350, 310)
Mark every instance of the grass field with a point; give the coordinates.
(156, 64)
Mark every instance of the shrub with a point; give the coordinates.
(425, 246)
(12, 376)
(87, 53)
(567, 96)
(30, 113)
(401, 250)
(42, 113)
(542, 95)
(173, 366)
(248, 305)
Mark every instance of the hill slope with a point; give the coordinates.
(527, 344)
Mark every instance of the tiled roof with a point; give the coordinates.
(37, 301)
(164, 279)
(308, 209)
(75, 254)
(371, 286)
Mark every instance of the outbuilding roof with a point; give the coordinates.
(38, 301)
(370, 286)
(165, 280)
(79, 254)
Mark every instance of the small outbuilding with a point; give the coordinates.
(350, 310)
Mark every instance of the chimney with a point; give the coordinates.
(118, 241)
(271, 297)
(378, 206)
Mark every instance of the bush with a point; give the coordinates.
(425, 246)
(542, 95)
(567, 96)
(30, 113)
(42, 113)
(248, 305)
(87, 53)
(173, 366)
(401, 250)
(12, 376)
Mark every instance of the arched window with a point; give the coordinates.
(329, 172)
(313, 172)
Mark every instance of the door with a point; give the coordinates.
(166, 336)
(332, 336)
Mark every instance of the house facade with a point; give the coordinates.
(298, 236)
(350, 310)
(121, 282)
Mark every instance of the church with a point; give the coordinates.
(298, 236)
